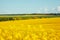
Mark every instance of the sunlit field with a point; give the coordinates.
(31, 29)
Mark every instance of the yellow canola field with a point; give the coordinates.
(31, 29)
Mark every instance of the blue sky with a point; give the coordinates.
(29, 6)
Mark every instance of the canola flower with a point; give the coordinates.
(32, 29)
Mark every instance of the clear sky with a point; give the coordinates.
(29, 6)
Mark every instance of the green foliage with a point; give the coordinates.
(24, 17)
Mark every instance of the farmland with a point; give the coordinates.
(43, 28)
